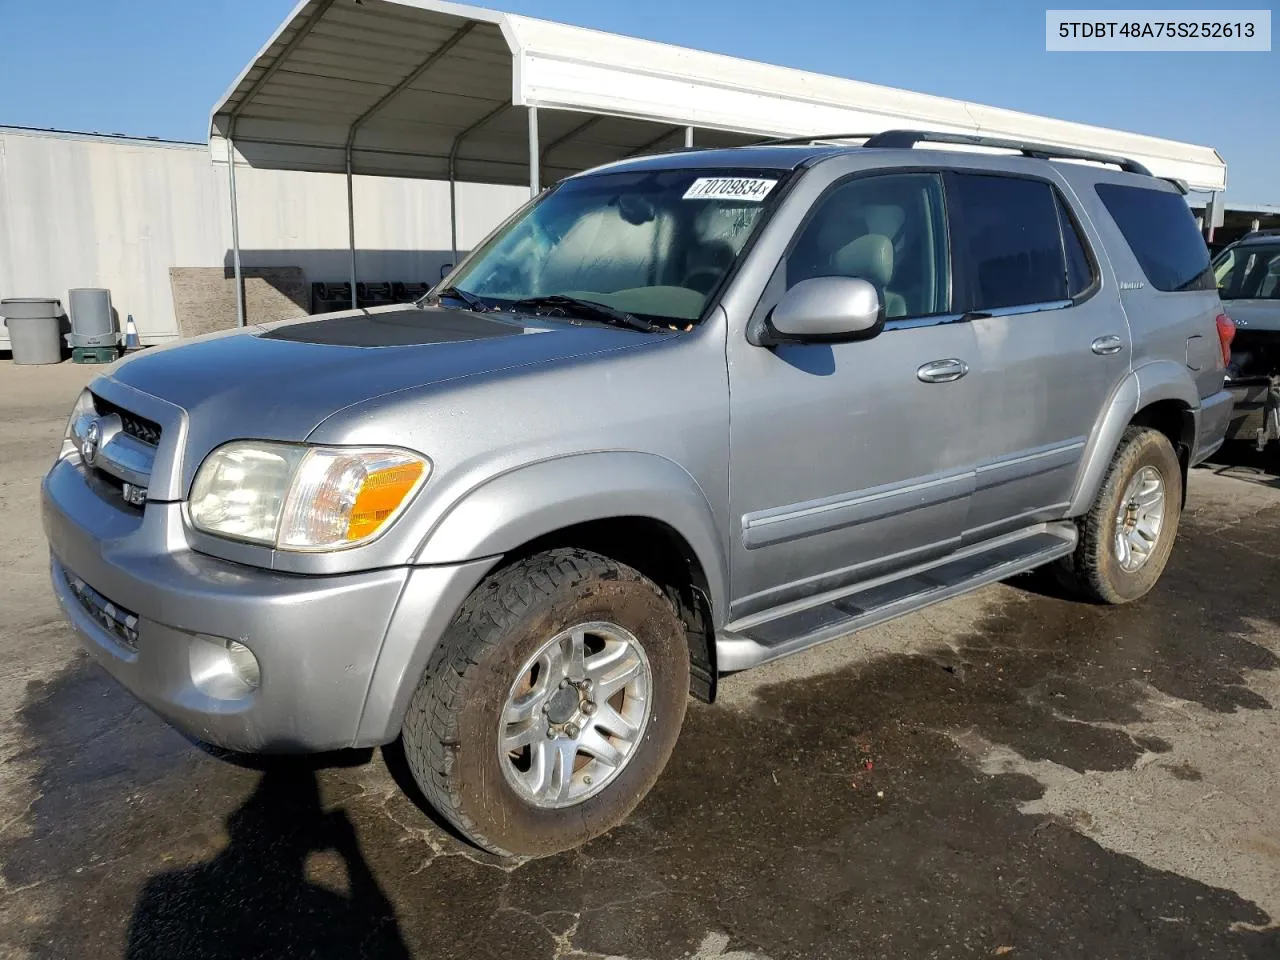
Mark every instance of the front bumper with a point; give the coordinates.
(339, 655)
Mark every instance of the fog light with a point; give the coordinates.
(224, 669)
(244, 665)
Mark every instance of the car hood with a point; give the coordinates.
(279, 381)
(1254, 315)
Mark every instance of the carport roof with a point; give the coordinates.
(407, 83)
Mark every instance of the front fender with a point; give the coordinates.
(511, 509)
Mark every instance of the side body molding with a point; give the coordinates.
(514, 508)
(1145, 385)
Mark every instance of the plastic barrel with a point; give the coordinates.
(92, 324)
(34, 329)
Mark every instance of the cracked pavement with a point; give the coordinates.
(1008, 774)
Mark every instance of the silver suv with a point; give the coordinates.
(677, 417)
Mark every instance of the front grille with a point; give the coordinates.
(116, 620)
(140, 428)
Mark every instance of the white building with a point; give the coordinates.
(82, 210)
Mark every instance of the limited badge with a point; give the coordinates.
(751, 189)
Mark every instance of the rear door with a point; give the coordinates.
(1166, 283)
(1050, 348)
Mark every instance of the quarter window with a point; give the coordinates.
(1159, 228)
(1011, 240)
(889, 230)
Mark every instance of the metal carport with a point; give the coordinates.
(438, 90)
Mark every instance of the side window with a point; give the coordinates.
(1009, 235)
(1159, 228)
(887, 229)
(1223, 265)
(1079, 267)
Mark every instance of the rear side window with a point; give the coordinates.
(1162, 234)
(1010, 239)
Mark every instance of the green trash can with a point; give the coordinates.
(35, 332)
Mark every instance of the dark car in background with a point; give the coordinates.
(1248, 278)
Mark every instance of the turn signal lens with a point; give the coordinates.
(342, 497)
(380, 496)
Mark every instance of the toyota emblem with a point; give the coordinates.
(89, 447)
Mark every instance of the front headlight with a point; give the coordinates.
(84, 408)
(296, 497)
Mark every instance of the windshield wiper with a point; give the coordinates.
(470, 299)
(587, 308)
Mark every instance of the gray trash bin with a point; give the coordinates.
(92, 323)
(35, 334)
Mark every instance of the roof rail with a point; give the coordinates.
(814, 138)
(906, 139)
(1264, 232)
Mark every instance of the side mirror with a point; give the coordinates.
(825, 310)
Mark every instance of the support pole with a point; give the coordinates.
(688, 137)
(1213, 215)
(453, 173)
(351, 228)
(235, 232)
(453, 209)
(535, 183)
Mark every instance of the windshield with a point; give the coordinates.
(655, 244)
(1249, 272)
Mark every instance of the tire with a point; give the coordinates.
(456, 716)
(1096, 569)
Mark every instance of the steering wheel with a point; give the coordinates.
(702, 279)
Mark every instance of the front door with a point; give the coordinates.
(850, 460)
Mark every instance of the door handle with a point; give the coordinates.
(1105, 346)
(942, 371)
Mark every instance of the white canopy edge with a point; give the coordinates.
(574, 68)
(650, 86)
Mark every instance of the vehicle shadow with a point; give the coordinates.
(291, 881)
(1243, 461)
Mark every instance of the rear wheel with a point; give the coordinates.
(1127, 536)
(551, 705)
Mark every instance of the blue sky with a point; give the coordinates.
(155, 67)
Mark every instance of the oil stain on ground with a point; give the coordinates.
(835, 818)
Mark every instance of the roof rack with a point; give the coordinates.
(1263, 232)
(787, 141)
(906, 139)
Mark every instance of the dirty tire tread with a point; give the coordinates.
(1092, 571)
(431, 734)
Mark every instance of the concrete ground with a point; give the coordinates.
(1008, 774)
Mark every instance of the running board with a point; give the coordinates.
(754, 640)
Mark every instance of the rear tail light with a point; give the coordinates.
(1226, 333)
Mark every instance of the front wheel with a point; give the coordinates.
(551, 705)
(1128, 534)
